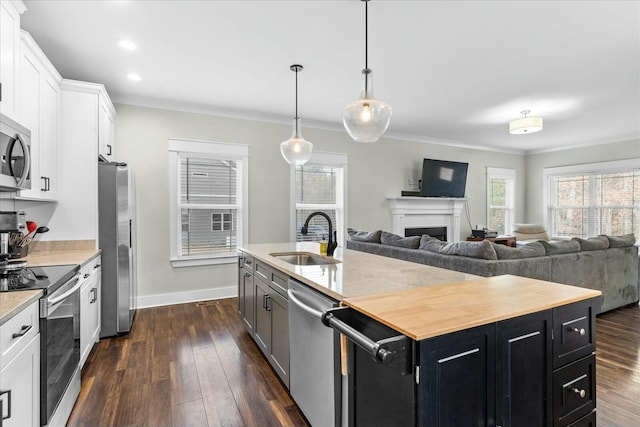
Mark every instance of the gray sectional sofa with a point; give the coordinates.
(606, 263)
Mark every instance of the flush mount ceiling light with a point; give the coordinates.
(525, 124)
(296, 150)
(367, 118)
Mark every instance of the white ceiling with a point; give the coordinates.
(453, 71)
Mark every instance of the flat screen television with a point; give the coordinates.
(442, 178)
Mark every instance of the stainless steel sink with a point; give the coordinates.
(304, 258)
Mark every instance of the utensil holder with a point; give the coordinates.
(18, 251)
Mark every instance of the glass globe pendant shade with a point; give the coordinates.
(367, 118)
(296, 150)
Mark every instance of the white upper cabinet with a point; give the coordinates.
(105, 126)
(39, 101)
(10, 12)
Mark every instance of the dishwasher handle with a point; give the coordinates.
(310, 310)
(374, 348)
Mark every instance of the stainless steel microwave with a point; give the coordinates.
(15, 152)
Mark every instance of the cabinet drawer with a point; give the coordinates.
(280, 283)
(586, 421)
(574, 392)
(262, 271)
(18, 331)
(247, 262)
(90, 267)
(573, 332)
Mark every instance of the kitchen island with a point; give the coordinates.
(463, 350)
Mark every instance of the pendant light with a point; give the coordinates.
(367, 118)
(296, 150)
(525, 124)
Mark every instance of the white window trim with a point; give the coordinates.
(324, 159)
(509, 174)
(586, 168)
(193, 148)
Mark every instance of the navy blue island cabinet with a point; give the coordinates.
(536, 369)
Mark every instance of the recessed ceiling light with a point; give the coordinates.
(135, 77)
(127, 44)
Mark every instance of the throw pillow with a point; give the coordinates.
(592, 244)
(483, 249)
(621, 241)
(560, 247)
(431, 244)
(390, 239)
(365, 236)
(529, 228)
(531, 250)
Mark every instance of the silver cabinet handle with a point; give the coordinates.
(580, 331)
(580, 392)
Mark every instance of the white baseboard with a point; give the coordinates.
(186, 296)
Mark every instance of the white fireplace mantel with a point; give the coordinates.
(416, 212)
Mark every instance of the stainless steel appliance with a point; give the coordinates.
(15, 155)
(59, 332)
(315, 382)
(116, 209)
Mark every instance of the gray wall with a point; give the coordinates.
(375, 171)
(535, 163)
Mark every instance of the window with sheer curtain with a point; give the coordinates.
(208, 201)
(319, 185)
(501, 203)
(588, 200)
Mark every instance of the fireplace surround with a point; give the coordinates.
(409, 213)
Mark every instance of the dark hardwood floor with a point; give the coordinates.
(194, 365)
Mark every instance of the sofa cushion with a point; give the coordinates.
(431, 244)
(531, 250)
(560, 247)
(483, 249)
(390, 239)
(593, 243)
(365, 236)
(621, 241)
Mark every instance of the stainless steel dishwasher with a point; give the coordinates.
(315, 382)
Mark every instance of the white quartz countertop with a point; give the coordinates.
(358, 274)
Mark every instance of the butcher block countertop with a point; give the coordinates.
(437, 310)
(12, 303)
(357, 273)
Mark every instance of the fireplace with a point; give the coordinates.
(439, 233)
(417, 213)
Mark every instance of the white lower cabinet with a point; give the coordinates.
(20, 370)
(89, 308)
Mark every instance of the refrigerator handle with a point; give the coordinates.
(130, 246)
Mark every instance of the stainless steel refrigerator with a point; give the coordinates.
(116, 211)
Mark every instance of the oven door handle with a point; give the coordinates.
(62, 297)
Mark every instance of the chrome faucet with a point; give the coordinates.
(332, 244)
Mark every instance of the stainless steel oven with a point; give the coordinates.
(15, 155)
(60, 349)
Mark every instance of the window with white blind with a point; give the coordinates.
(319, 185)
(501, 199)
(208, 201)
(589, 200)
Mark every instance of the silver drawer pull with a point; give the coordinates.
(581, 392)
(580, 331)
